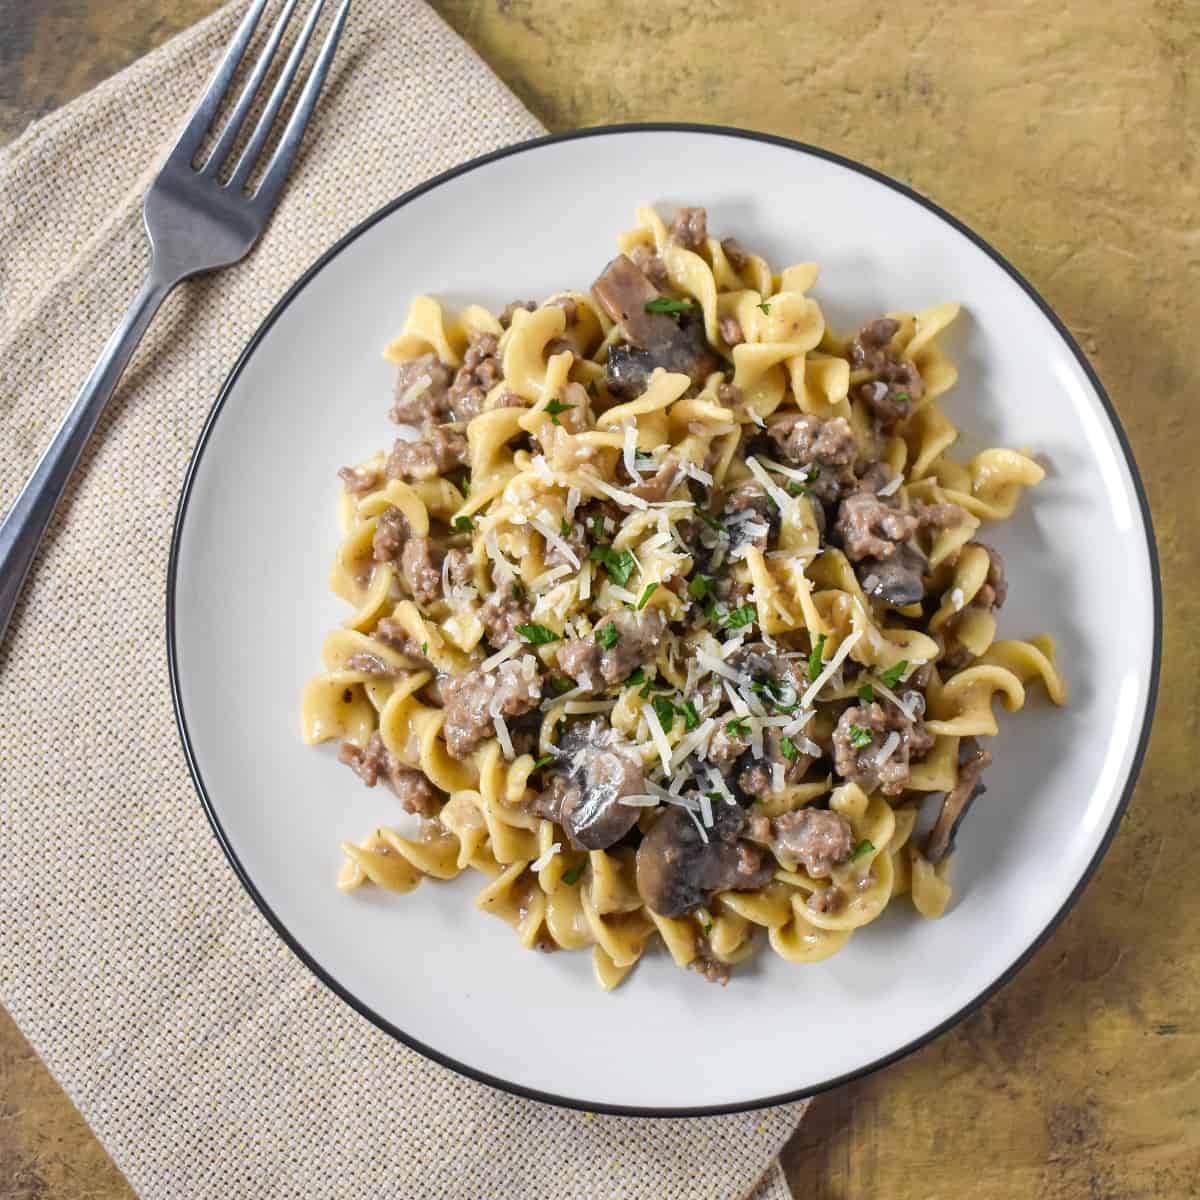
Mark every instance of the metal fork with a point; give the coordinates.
(195, 222)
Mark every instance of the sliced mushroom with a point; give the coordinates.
(972, 761)
(628, 370)
(623, 292)
(585, 797)
(654, 339)
(898, 580)
(677, 871)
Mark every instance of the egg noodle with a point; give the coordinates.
(669, 612)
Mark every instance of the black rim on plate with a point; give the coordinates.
(292, 941)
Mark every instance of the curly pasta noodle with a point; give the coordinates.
(669, 612)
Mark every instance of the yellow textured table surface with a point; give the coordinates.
(1066, 135)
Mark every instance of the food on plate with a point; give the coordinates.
(670, 610)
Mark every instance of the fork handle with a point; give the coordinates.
(25, 523)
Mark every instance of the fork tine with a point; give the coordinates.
(202, 117)
(262, 131)
(281, 160)
(246, 99)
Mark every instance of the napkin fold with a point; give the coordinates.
(204, 1055)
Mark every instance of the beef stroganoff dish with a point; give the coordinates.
(671, 613)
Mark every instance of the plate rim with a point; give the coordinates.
(292, 941)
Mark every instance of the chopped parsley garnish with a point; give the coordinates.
(645, 596)
(554, 408)
(899, 395)
(424, 647)
(866, 693)
(814, 658)
(559, 684)
(765, 307)
(592, 389)
(710, 520)
(740, 617)
(797, 489)
(596, 524)
(619, 564)
(691, 718)
(664, 710)
(738, 728)
(668, 304)
(539, 635)
(607, 635)
(539, 763)
(638, 676)
(859, 737)
(788, 749)
(699, 586)
(643, 456)
(466, 485)
(708, 926)
(775, 694)
(891, 676)
(572, 874)
(518, 590)
(653, 685)
(866, 846)
(463, 524)
(565, 529)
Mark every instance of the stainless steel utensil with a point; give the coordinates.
(196, 222)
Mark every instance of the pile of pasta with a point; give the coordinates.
(553, 895)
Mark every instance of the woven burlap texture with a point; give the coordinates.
(204, 1055)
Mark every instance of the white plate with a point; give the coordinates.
(249, 608)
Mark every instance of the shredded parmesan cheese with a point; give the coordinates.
(692, 742)
(544, 860)
(419, 388)
(505, 570)
(777, 780)
(831, 667)
(585, 581)
(697, 473)
(888, 748)
(540, 582)
(629, 452)
(887, 692)
(718, 785)
(717, 667)
(756, 737)
(806, 746)
(500, 656)
(699, 826)
(502, 736)
(572, 502)
(706, 814)
(623, 498)
(787, 472)
(781, 498)
(892, 486)
(658, 736)
(552, 537)
(736, 701)
(639, 800)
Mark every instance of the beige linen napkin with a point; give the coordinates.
(204, 1055)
